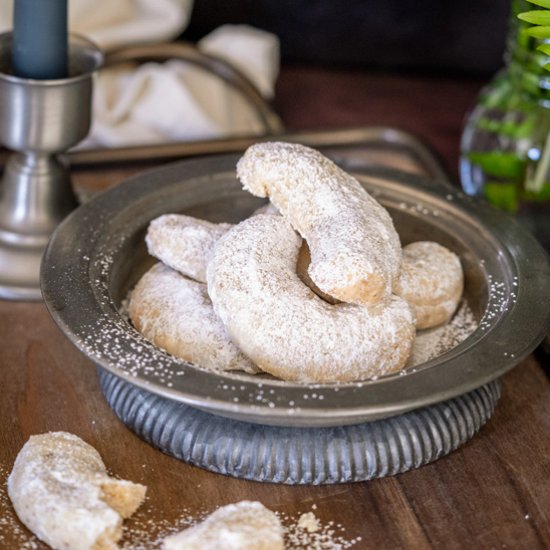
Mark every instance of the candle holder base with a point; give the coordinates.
(19, 270)
(36, 196)
(39, 119)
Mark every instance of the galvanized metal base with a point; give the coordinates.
(300, 455)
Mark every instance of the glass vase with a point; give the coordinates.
(505, 146)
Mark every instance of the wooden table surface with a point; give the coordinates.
(494, 492)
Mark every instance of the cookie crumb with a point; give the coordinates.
(309, 522)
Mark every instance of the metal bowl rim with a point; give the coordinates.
(421, 388)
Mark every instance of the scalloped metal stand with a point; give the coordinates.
(294, 456)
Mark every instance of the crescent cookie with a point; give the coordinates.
(355, 250)
(176, 314)
(183, 242)
(431, 278)
(61, 491)
(241, 526)
(284, 327)
(432, 281)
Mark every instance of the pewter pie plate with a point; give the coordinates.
(98, 254)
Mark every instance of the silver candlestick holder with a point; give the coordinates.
(39, 120)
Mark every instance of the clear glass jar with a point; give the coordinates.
(505, 146)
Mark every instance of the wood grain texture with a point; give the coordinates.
(494, 492)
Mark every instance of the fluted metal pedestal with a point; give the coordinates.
(299, 456)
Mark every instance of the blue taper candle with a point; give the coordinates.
(40, 39)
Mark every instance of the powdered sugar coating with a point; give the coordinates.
(242, 526)
(61, 491)
(284, 327)
(355, 250)
(432, 281)
(176, 314)
(183, 242)
(268, 208)
(433, 342)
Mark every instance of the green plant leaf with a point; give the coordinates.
(544, 48)
(539, 32)
(502, 195)
(499, 164)
(542, 3)
(542, 195)
(536, 17)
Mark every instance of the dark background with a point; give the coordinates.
(434, 36)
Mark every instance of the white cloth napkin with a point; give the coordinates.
(176, 101)
(155, 103)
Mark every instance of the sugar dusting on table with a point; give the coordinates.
(301, 531)
(142, 532)
(308, 531)
(13, 534)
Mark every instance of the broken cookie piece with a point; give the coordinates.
(61, 491)
(242, 526)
